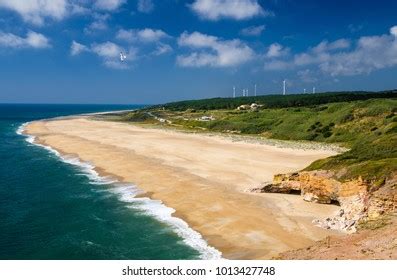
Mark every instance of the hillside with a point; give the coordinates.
(367, 127)
(275, 101)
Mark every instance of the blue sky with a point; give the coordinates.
(67, 51)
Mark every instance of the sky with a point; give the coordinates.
(68, 51)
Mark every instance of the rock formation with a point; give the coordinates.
(359, 200)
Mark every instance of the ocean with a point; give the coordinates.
(54, 207)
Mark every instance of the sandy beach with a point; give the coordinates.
(203, 178)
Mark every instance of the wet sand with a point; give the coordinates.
(203, 178)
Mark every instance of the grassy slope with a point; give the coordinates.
(368, 127)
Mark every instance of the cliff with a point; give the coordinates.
(359, 200)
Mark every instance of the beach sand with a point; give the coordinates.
(203, 178)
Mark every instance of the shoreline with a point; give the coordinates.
(274, 238)
(132, 194)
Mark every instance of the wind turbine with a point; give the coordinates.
(234, 92)
(314, 90)
(284, 87)
(255, 89)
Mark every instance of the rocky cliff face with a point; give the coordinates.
(383, 201)
(359, 200)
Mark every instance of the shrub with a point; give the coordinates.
(347, 118)
(327, 134)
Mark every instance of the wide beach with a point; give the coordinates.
(203, 178)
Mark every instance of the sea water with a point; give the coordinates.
(57, 207)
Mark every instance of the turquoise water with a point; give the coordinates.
(60, 209)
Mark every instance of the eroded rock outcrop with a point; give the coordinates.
(383, 200)
(359, 200)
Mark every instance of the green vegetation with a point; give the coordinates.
(276, 101)
(378, 223)
(137, 116)
(368, 127)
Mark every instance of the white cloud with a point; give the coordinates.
(197, 40)
(277, 65)
(108, 5)
(213, 51)
(146, 35)
(316, 55)
(107, 50)
(273, 54)
(234, 9)
(197, 60)
(276, 50)
(37, 40)
(145, 6)
(336, 45)
(98, 24)
(307, 76)
(310, 58)
(321, 53)
(253, 30)
(370, 54)
(32, 40)
(162, 49)
(340, 58)
(77, 48)
(78, 9)
(36, 11)
(393, 31)
(126, 35)
(110, 54)
(151, 35)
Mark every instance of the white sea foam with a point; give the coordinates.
(21, 128)
(127, 193)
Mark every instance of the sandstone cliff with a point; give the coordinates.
(359, 200)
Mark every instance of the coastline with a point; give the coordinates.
(131, 194)
(241, 225)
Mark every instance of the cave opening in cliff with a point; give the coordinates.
(335, 202)
(296, 192)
